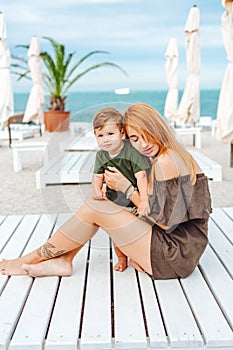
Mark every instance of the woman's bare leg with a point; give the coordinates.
(59, 245)
(59, 266)
(131, 234)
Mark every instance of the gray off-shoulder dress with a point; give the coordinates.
(185, 209)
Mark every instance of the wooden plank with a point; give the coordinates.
(213, 324)
(65, 159)
(87, 164)
(36, 312)
(52, 164)
(71, 167)
(20, 285)
(180, 324)
(219, 282)
(130, 330)
(68, 162)
(221, 246)
(2, 218)
(40, 234)
(212, 169)
(229, 212)
(16, 290)
(155, 327)
(11, 303)
(7, 228)
(224, 222)
(64, 326)
(96, 326)
(16, 245)
(37, 309)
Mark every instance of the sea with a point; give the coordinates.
(84, 104)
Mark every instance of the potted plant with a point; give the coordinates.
(59, 76)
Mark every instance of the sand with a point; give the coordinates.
(20, 196)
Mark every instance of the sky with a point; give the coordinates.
(134, 32)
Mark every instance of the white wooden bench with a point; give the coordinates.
(194, 131)
(16, 134)
(19, 147)
(77, 167)
(67, 168)
(98, 308)
(206, 122)
(212, 169)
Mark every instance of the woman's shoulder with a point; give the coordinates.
(170, 165)
(166, 166)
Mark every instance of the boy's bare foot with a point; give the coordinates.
(136, 266)
(53, 267)
(12, 267)
(122, 264)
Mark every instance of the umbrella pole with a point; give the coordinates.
(231, 161)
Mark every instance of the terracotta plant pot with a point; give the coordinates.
(56, 120)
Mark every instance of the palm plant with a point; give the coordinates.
(60, 72)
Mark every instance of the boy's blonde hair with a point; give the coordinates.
(107, 115)
(153, 128)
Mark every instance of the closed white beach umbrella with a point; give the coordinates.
(189, 108)
(36, 100)
(225, 103)
(171, 69)
(6, 93)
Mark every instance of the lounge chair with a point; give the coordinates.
(20, 130)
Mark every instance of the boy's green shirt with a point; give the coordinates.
(129, 162)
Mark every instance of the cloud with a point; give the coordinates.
(136, 32)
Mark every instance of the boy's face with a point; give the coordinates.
(110, 138)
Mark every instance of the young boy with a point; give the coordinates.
(116, 151)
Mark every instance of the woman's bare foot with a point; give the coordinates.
(53, 267)
(122, 264)
(12, 267)
(136, 266)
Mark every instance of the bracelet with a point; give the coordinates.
(127, 189)
(128, 195)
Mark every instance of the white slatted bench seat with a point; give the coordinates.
(212, 169)
(98, 308)
(77, 167)
(67, 168)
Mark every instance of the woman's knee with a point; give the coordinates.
(93, 207)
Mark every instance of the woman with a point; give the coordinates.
(166, 244)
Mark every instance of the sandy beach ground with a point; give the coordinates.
(19, 194)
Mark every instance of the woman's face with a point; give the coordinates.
(144, 147)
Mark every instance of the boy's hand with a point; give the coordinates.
(98, 195)
(144, 207)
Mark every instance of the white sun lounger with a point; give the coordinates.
(77, 167)
(98, 308)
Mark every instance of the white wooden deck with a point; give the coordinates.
(98, 308)
(77, 167)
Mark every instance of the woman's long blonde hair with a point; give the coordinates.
(154, 129)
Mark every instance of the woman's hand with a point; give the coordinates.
(115, 180)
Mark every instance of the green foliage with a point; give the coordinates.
(60, 72)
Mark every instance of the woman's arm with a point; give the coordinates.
(118, 182)
(143, 208)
